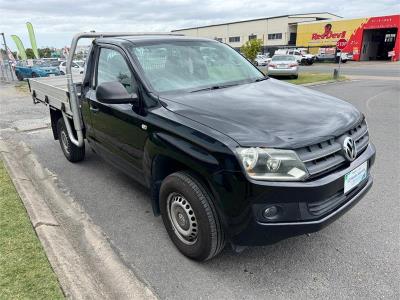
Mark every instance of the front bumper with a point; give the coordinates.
(304, 206)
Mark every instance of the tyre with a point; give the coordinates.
(62, 73)
(34, 75)
(72, 152)
(19, 76)
(190, 217)
(295, 76)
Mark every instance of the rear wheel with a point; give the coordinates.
(190, 217)
(72, 152)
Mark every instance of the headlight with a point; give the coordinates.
(272, 164)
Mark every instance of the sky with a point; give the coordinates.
(55, 22)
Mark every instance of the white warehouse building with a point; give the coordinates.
(275, 32)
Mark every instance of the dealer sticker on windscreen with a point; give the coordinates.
(355, 177)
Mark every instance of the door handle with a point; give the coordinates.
(94, 109)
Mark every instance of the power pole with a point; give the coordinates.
(5, 45)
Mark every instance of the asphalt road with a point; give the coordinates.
(355, 257)
(386, 69)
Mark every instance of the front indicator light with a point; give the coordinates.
(272, 164)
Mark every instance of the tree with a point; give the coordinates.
(251, 48)
(29, 53)
(45, 52)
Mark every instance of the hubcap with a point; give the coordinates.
(64, 140)
(182, 218)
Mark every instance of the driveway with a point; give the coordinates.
(355, 257)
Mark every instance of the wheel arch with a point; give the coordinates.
(167, 154)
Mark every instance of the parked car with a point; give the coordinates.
(262, 60)
(283, 65)
(308, 58)
(228, 155)
(81, 63)
(332, 55)
(38, 69)
(76, 68)
(302, 57)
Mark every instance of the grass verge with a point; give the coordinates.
(313, 77)
(25, 272)
(22, 86)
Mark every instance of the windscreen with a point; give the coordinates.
(171, 66)
(283, 58)
(42, 64)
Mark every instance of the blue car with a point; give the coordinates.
(39, 69)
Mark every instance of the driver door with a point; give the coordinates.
(116, 128)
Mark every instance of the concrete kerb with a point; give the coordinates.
(80, 254)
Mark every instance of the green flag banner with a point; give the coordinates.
(32, 39)
(20, 46)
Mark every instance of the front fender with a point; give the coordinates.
(166, 153)
(182, 151)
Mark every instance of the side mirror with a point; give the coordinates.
(114, 93)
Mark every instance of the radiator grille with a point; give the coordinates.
(327, 156)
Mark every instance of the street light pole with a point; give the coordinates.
(5, 45)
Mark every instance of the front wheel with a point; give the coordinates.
(190, 217)
(72, 152)
(19, 76)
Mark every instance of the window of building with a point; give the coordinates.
(390, 37)
(293, 37)
(275, 36)
(234, 39)
(252, 37)
(218, 39)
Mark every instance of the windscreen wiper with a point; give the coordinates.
(214, 87)
(261, 79)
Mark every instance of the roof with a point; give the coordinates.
(148, 38)
(344, 19)
(258, 19)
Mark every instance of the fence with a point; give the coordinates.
(6, 71)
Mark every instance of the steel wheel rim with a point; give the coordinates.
(182, 218)
(64, 140)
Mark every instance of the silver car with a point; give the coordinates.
(283, 65)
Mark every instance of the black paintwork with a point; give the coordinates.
(200, 131)
(268, 113)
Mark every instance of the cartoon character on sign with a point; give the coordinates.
(328, 29)
(328, 33)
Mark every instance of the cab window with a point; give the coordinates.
(113, 67)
